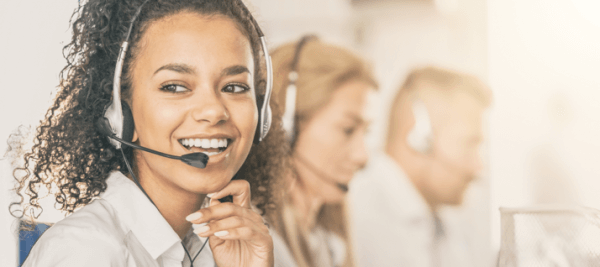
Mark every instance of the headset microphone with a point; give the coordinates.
(343, 187)
(198, 159)
(118, 125)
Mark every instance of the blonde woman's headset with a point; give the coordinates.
(290, 114)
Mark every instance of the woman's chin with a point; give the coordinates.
(334, 198)
(198, 187)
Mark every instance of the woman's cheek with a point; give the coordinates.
(246, 118)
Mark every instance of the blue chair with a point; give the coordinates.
(27, 238)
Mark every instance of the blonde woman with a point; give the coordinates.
(324, 91)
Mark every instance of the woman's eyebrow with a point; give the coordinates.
(234, 70)
(177, 67)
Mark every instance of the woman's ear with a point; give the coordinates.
(135, 136)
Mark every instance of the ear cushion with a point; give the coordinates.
(259, 104)
(128, 123)
(103, 126)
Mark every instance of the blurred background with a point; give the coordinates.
(541, 59)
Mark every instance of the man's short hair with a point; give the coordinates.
(439, 80)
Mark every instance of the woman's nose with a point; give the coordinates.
(209, 107)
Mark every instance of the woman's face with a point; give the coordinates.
(330, 146)
(193, 91)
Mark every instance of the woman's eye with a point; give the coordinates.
(174, 88)
(235, 88)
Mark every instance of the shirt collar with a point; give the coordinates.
(408, 202)
(141, 217)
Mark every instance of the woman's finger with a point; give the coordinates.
(238, 189)
(248, 233)
(233, 222)
(219, 211)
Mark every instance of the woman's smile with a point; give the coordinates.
(217, 147)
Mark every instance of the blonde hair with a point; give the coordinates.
(322, 68)
(441, 81)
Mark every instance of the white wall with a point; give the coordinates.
(31, 38)
(545, 125)
(287, 20)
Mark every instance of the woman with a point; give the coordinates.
(193, 79)
(325, 90)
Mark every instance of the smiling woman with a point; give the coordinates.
(193, 82)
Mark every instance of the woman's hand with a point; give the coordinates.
(237, 234)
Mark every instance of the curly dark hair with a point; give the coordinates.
(71, 157)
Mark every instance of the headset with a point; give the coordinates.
(118, 125)
(420, 137)
(117, 121)
(291, 92)
(290, 113)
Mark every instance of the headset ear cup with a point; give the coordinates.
(259, 126)
(419, 137)
(128, 123)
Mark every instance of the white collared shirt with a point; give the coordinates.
(392, 225)
(122, 228)
(327, 248)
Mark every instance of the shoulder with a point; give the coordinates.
(282, 254)
(92, 236)
(379, 171)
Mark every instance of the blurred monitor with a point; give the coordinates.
(549, 236)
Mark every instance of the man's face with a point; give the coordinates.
(455, 159)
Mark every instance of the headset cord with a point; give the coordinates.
(188, 253)
(135, 178)
(144, 191)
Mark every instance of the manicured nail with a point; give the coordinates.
(221, 233)
(210, 195)
(194, 216)
(201, 229)
(198, 225)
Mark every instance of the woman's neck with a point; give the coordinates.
(306, 204)
(174, 205)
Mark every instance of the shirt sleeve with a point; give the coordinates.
(75, 248)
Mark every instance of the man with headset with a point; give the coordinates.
(431, 155)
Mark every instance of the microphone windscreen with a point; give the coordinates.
(342, 187)
(198, 160)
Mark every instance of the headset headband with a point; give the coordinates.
(291, 91)
(114, 112)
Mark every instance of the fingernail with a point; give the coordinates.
(221, 233)
(194, 216)
(198, 225)
(201, 229)
(210, 195)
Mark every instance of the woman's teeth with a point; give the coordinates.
(219, 144)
